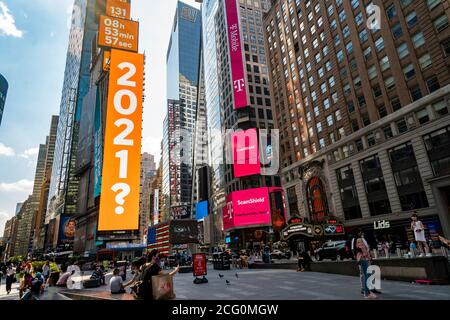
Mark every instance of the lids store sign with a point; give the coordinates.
(378, 225)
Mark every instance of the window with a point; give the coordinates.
(355, 125)
(361, 101)
(382, 112)
(379, 44)
(349, 47)
(446, 46)
(322, 143)
(433, 84)
(390, 83)
(341, 132)
(371, 140)
(316, 111)
(359, 145)
(319, 127)
(425, 61)
(311, 132)
(359, 19)
(337, 114)
(355, 4)
(357, 82)
(346, 31)
(440, 108)
(330, 120)
(391, 12)
(402, 50)
(330, 10)
(326, 104)
(376, 91)
(418, 40)
(342, 16)
(328, 65)
(372, 72)
(331, 137)
(384, 63)
(405, 2)
(396, 104)
(387, 131)
(351, 106)
(432, 4)
(409, 71)
(365, 119)
(397, 31)
(340, 56)
(422, 116)
(411, 19)
(441, 23)
(415, 92)
(368, 53)
(402, 126)
(363, 36)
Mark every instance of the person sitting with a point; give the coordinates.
(116, 283)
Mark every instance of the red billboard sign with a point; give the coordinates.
(199, 264)
(245, 153)
(247, 208)
(236, 55)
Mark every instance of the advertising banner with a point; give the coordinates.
(245, 153)
(119, 205)
(182, 212)
(67, 226)
(118, 33)
(156, 206)
(98, 146)
(118, 9)
(201, 210)
(183, 231)
(236, 55)
(247, 208)
(199, 264)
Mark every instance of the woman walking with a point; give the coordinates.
(363, 257)
(10, 275)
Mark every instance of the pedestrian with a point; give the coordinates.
(419, 234)
(386, 248)
(116, 283)
(363, 257)
(10, 277)
(137, 273)
(360, 234)
(46, 270)
(304, 261)
(412, 249)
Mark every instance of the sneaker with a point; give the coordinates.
(421, 255)
(429, 255)
(370, 296)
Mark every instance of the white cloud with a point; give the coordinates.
(152, 145)
(30, 153)
(7, 23)
(3, 218)
(23, 185)
(6, 151)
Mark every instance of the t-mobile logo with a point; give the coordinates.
(239, 85)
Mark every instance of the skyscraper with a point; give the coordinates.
(64, 183)
(183, 59)
(363, 108)
(3, 92)
(237, 98)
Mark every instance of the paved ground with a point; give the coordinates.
(275, 285)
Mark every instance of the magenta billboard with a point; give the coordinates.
(247, 208)
(236, 55)
(245, 153)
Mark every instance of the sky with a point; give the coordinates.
(32, 59)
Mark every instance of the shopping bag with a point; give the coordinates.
(162, 287)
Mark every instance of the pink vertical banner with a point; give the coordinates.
(245, 153)
(236, 55)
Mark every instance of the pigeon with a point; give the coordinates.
(220, 275)
(237, 276)
(228, 282)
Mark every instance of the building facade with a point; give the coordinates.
(63, 195)
(362, 105)
(183, 60)
(3, 93)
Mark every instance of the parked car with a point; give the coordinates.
(334, 250)
(278, 254)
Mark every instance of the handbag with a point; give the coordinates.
(162, 287)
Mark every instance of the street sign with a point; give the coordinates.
(119, 203)
(118, 33)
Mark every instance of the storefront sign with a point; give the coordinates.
(118, 33)
(119, 205)
(318, 231)
(199, 264)
(297, 229)
(247, 208)
(118, 9)
(245, 153)
(236, 55)
(332, 229)
(377, 225)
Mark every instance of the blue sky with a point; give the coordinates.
(33, 45)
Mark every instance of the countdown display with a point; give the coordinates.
(119, 205)
(118, 33)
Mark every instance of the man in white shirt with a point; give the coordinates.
(116, 283)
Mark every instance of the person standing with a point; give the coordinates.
(419, 234)
(10, 275)
(360, 234)
(46, 270)
(363, 257)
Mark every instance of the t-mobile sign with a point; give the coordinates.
(245, 153)
(236, 58)
(247, 208)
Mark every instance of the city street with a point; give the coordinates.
(275, 285)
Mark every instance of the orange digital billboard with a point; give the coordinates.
(119, 204)
(118, 9)
(106, 60)
(118, 33)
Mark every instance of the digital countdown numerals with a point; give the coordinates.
(119, 205)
